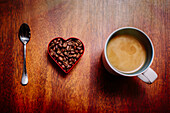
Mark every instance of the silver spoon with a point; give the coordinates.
(24, 36)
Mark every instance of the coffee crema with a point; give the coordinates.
(126, 53)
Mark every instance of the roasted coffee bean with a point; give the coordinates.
(69, 59)
(65, 63)
(55, 41)
(56, 56)
(65, 44)
(76, 51)
(52, 53)
(56, 46)
(70, 56)
(74, 55)
(75, 47)
(78, 55)
(80, 45)
(52, 45)
(70, 43)
(60, 41)
(70, 62)
(68, 66)
(75, 60)
(72, 52)
(61, 54)
(58, 52)
(62, 66)
(60, 58)
(81, 51)
(67, 48)
(62, 50)
(65, 53)
(70, 48)
(59, 63)
(68, 52)
(53, 48)
(78, 41)
(64, 59)
(60, 45)
(76, 44)
(79, 48)
(52, 42)
(72, 59)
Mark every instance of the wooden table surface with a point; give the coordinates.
(88, 87)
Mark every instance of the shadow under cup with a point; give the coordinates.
(143, 39)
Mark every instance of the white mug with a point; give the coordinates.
(145, 73)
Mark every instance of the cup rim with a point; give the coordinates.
(121, 73)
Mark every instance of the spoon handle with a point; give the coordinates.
(24, 79)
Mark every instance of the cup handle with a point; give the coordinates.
(148, 76)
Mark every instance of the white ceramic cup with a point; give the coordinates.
(145, 73)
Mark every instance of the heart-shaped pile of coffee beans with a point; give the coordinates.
(66, 53)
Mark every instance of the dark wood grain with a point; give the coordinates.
(88, 87)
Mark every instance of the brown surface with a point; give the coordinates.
(88, 87)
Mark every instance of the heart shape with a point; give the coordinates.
(66, 53)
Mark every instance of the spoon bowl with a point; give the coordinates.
(24, 33)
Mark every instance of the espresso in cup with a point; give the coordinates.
(126, 53)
